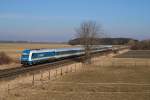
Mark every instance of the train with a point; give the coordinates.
(37, 56)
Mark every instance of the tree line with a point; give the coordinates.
(104, 41)
(140, 45)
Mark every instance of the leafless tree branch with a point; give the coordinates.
(87, 33)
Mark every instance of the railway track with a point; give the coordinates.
(14, 72)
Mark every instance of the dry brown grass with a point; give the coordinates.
(107, 79)
(135, 54)
(118, 81)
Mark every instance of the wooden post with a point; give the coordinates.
(49, 75)
(75, 67)
(56, 74)
(71, 69)
(61, 71)
(67, 70)
(147, 63)
(83, 65)
(41, 76)
(33, 79)
(8, 89)
(94, 60)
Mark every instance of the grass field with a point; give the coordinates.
(114, 79)
(136, 54)
(14, 49)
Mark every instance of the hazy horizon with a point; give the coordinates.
(55, 20)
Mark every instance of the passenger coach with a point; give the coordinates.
(36, 56)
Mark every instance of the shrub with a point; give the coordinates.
(141, 45)
(4, 59)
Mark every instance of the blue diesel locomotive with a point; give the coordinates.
(36, 56)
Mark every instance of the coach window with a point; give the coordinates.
(34, 55)
(41, 55)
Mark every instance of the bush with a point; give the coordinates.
(141, 45)
(4, 59)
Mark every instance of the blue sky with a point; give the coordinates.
(56, 20)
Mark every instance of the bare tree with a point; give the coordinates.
(88, 32)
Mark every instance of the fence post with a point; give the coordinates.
(75, 67)
(8, 89)
(71, 69)
(147, 63)
(101, 63)
(83, 67)
(94, 60)
(67, 70)
(135, 63)
(61, 73)
(41, 76)
(49, 75)
(56, 74)
(113, 63)
(33, 79)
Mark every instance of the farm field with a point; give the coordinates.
(106, 79)
(136, 54)
(14, 49)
